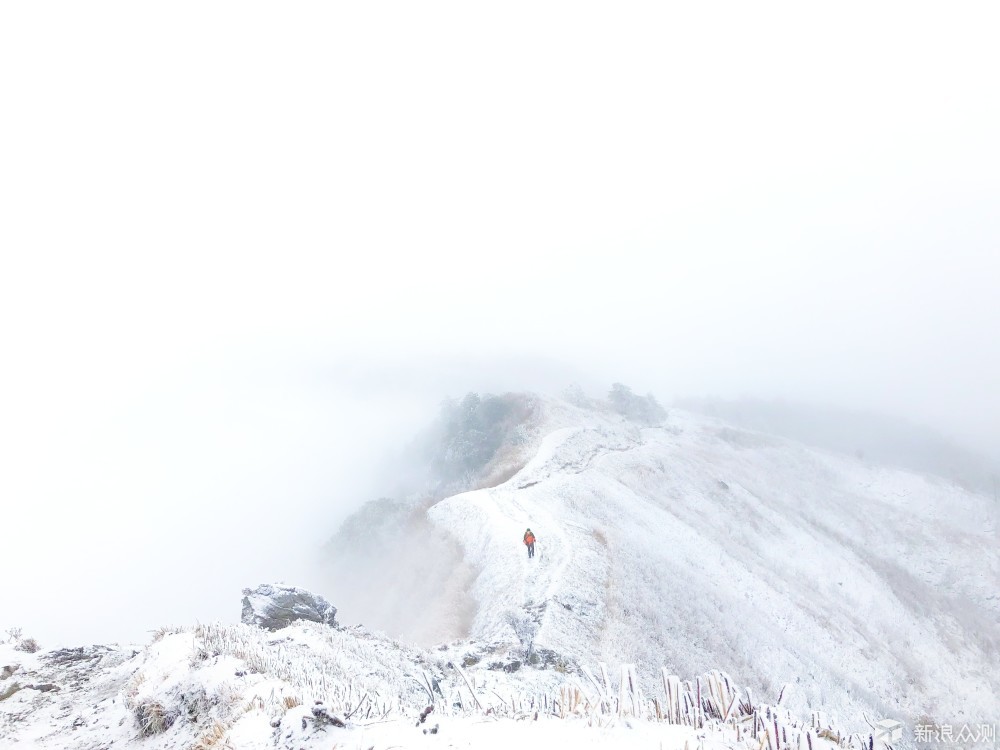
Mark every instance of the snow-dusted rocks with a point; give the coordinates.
(273, 606)
(314, 687)
(697, 543)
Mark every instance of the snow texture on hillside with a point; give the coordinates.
(698, 545)
(312, 686)
(854, 593)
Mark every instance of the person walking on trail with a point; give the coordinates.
(529, 540)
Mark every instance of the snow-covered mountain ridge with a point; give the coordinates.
(697, 545)
(834, 592)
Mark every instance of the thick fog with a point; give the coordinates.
(246, 251)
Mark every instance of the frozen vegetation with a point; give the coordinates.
(695, 585)
(312, 686)
(688, 542)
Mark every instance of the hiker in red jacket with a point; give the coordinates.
(529, 540)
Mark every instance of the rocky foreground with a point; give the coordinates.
(309, 684)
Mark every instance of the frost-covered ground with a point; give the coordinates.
(697, 545)
(845, 592)
(312, 686)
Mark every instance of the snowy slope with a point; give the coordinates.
(852, 592)
(312, 687)
(697, 545)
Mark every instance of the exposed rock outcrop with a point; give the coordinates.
(273, 606)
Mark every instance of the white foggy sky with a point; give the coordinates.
(246, 246)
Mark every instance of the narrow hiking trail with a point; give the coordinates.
(695, 544)
(512, 591)
(553, 551)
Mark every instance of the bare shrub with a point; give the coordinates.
(153, 718)
(160, 633)
(16, 636)
(214, 737)
(28, 645)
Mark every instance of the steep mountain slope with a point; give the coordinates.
(834, 590)
(697, 545)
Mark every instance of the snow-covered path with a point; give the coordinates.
(513, 591)
(690, 547)
(699, 545)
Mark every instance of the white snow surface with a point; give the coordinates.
(697, 545)
(312, 686)
(865, 593)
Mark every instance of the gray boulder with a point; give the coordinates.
(273, 606)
